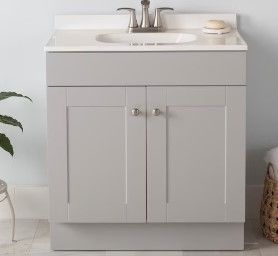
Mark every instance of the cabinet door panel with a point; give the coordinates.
(196, 164)
(96, 157)
(198, 172)
(103, 157)
(106, 155)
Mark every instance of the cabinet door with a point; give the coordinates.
(196, 154)
(106, 154)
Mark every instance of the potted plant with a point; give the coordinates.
(4, 140)
(7, 146)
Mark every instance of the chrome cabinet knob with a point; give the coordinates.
(135, 112)
(156, 112)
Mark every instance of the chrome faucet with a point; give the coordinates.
(145, 22)
(145, 25)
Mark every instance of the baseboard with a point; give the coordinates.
(32, 202)
(253, 201)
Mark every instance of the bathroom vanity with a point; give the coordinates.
(146, 138)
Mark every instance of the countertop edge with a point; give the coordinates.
(49, 49)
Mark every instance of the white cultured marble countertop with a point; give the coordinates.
(85, 41)
(78, 33)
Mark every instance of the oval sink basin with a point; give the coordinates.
(146, 38)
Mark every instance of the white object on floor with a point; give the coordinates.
(271, 157)
(4, 192)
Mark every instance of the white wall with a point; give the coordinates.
(25, 26)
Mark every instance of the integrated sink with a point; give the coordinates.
(146, 38)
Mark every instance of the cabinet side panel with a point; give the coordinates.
(136, 155)
(156, 156)
(236, 153)
(57, 153)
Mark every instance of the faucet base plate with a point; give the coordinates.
(145, 30)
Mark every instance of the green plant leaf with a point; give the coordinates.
(11, 121)
(5, 95)
(6, 144)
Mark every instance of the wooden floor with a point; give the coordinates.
(33, 239)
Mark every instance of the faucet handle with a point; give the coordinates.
(133, 21)
(157, 19)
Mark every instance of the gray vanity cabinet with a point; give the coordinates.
(146, 160)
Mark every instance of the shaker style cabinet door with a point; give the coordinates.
(105, 161)
(195, 154)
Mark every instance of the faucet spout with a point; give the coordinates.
(145, 22)
(145, 2)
